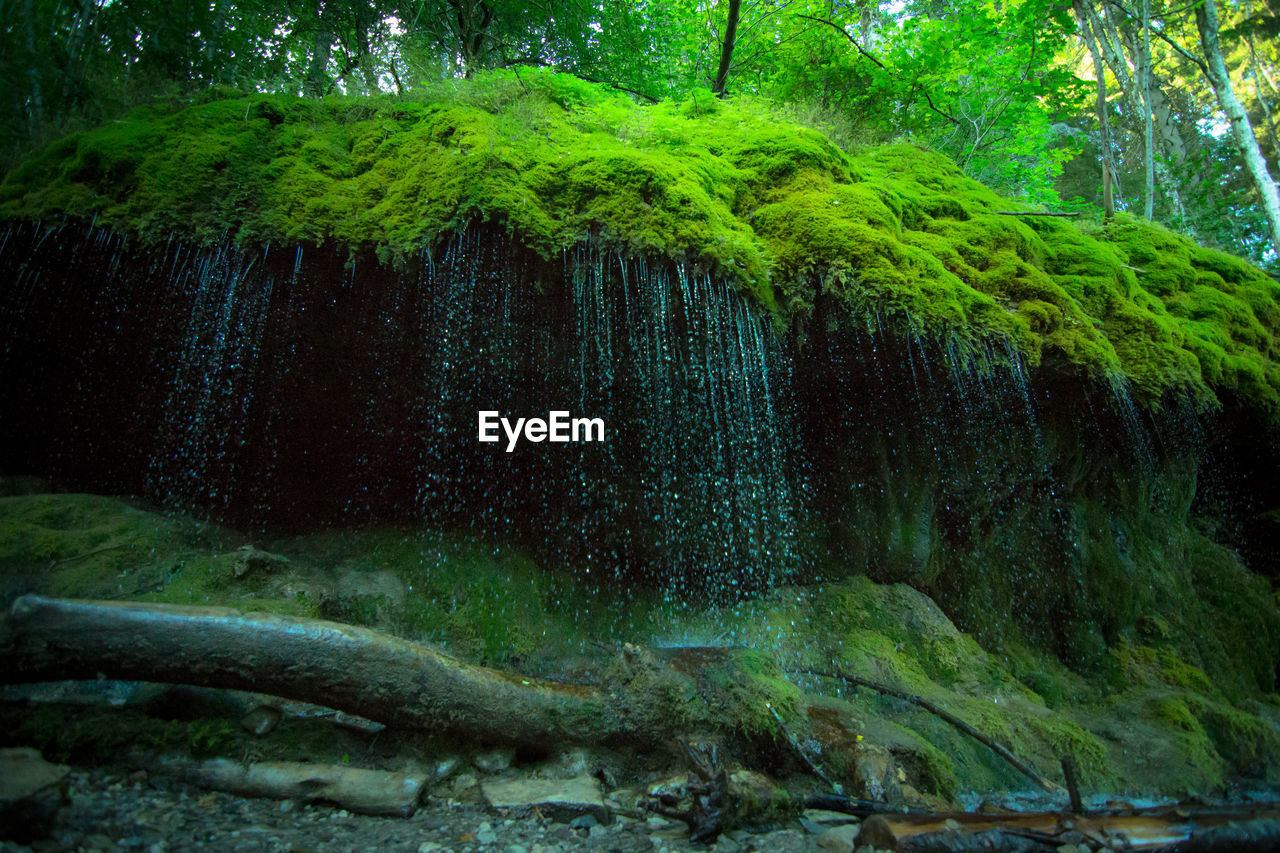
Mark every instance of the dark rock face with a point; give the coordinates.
(294, 387)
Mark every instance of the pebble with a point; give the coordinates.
(108, 817)
(839, 839)
(494, 762)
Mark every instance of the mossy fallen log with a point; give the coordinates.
(1164, 829)
(350, 669)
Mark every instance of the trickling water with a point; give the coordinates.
(691, 481)
(284, 389)
(206, 415)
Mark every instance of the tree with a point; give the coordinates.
(1216, 70)
(1104, 123)
(726, 48)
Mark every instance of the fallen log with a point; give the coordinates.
(1032, 213)
(1162, 829)
(356, 789)
(350, 669)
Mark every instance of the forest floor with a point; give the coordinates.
(117, 810)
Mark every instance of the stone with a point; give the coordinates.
(495, 761)
(250, 559)
(446, 767)
(559, 799)
(828, 818)
(876, 832)
(875, 774)
(464, 782)
(429, 847)
(31, 792)
(261, 721)
(812, 826)
(351, 789)
(573, 762)
(839, 839)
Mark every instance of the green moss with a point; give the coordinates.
(750, 690)
(483, 602)
(210, 580)
(1145, 665)
(1065, 737)
(1190, 738)
(929, 769)
(1247, 742)
(89, 546)
(734, 187)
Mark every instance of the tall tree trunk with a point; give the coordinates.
(365, 57)
(726, 48)
(1173, 155)
(1137, 86)
(1148, 130)
(36, 119)
(318, 73)
(1207, 24)
(472, 20)
(1104, 122)
(81, 30)
(1259, 72)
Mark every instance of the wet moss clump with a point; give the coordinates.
(894, 233)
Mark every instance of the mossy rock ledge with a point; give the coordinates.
(732, 187)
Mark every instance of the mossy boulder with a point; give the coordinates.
(895, 233)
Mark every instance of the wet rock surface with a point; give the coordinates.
(115, 810)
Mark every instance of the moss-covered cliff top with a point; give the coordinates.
(733, 187)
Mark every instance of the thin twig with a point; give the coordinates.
(853, 41)
(89, 554)
(809, 764)
(998, 748)
(1030, 213)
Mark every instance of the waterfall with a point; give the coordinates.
(283, 389)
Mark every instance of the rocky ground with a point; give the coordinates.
(118, 810)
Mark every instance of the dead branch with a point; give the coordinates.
(1030, 213)
(351, 669)
(998, 748)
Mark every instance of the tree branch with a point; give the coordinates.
(998, 748)
(853, 41)
(1186, 54)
